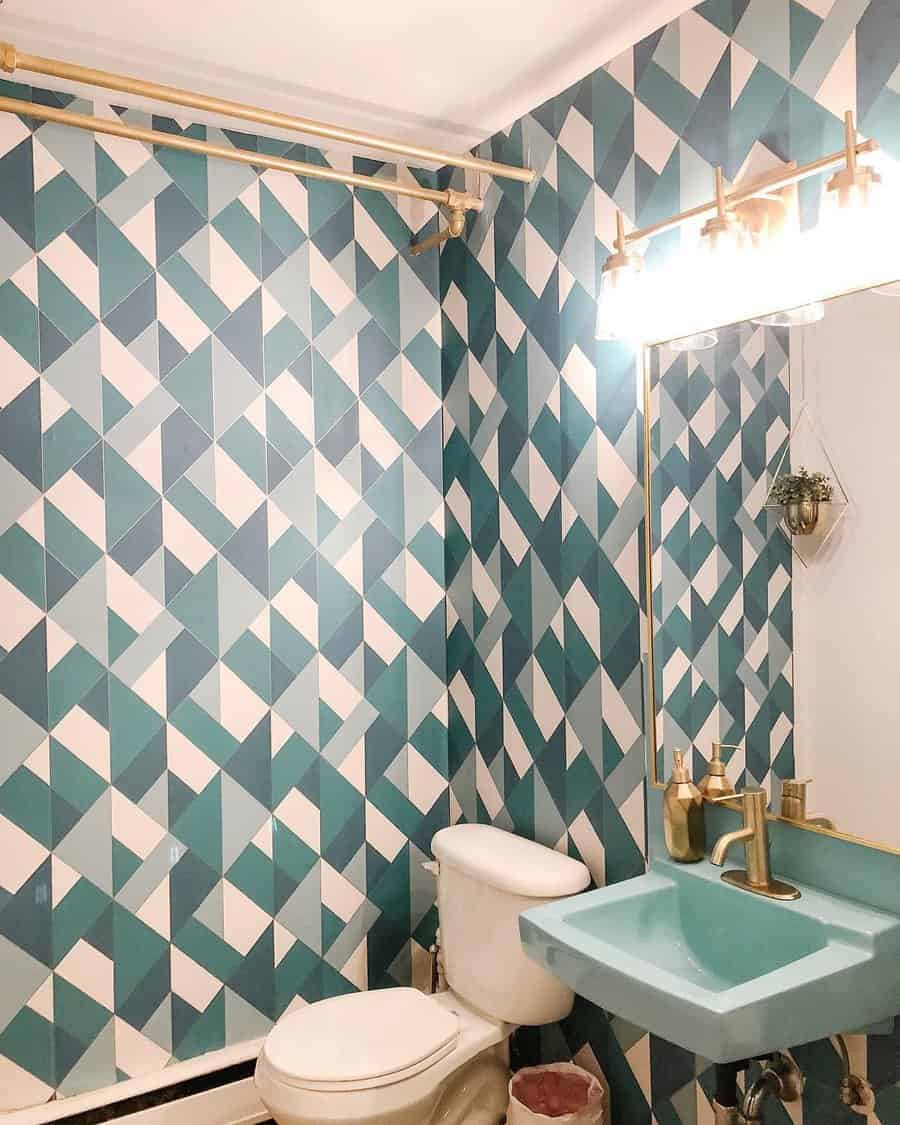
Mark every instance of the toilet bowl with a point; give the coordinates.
(397, 1056)
(386, 1057)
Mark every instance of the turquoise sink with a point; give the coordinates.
(722, 972)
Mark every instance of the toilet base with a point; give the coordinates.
(476, 1094)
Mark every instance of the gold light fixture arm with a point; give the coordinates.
(11, 60)
(765, 185)
(117, 128)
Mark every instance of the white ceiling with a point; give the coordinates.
(448, 77)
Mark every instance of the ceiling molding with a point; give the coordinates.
(618, 25)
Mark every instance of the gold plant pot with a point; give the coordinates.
(801, 516)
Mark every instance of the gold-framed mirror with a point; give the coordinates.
(776, 636)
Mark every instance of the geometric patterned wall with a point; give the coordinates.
(222, 685)
(721, 568)
(542, 461)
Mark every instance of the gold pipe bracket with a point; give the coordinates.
(455, 228)
(56, 68)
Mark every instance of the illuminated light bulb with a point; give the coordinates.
(794, 318)
(699, 342)
(619, 305)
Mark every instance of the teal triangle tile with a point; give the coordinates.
(128, 496)
(183, 441)
(171, 353)
(57, 205)
(24, 921)
(122, 267)
(381, 296)
(25, 800)
(132, 724)
(277, 225)
(145, 770)
(17, 206)
(23, 675)
(20, 430)
(177, 220)
(190, 173)
(241, 231)
(195, 1033)
(53, 343)
(115, 405)
(196, 606)
(241, 333)
(109, 174)
(19, 323)
(135, 313)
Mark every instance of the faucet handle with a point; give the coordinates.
(751, 791)
(753, 795)
(793, 797)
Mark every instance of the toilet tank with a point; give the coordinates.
(486, 878)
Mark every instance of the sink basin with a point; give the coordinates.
(722, 972)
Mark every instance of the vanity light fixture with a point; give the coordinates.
(699, 342)
(856, 185)
(794, 318)
(724, 234)
(752, 254)
(619, 289)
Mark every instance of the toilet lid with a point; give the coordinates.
(361, 1041)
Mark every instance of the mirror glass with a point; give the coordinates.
(775, 560)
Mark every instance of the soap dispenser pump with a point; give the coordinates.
(685, 829)
(714, 783)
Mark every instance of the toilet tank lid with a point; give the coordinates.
(509, 863)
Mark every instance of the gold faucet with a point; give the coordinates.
(754, 835)
(793, 803)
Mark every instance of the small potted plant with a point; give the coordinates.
(799, 496)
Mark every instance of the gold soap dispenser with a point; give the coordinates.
(714, 783)
(683, 821)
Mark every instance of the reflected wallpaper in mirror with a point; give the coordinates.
(780, 643)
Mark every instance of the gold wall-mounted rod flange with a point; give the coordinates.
(12, 59)
(117, 128)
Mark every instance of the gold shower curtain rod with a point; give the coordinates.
(116, 128)
(11, 60)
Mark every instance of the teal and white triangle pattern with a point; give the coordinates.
(542, 468)
(722, 579)
(222, 656)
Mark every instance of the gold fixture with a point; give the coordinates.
(683, 822)
(11, 59)
(457, 202)
(852, 184)
(793, 802)
(754, 835)
(724, 227)
(455, 226)
(619, 275)
(117, 128)
(769, 184)
(715, 783)
(620, 259)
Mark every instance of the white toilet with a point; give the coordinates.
(396, 1056)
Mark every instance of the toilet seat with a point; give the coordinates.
(361, 1041)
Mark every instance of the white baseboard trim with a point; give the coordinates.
(235, 1104)
(211, 1111)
